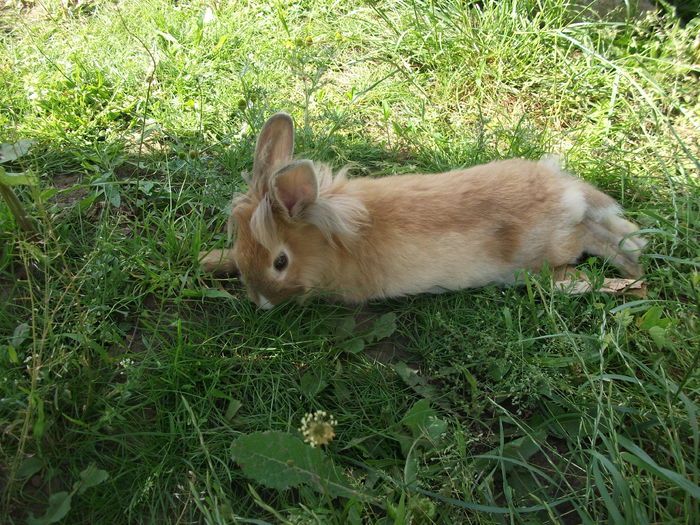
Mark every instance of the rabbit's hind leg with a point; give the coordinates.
(612, 237)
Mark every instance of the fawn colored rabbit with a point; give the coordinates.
(301, 229)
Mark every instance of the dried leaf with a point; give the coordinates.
(573, 282)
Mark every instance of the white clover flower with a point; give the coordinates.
(127, 362)
(317, 428)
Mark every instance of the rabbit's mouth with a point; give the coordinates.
(267, 300)
(263, 302)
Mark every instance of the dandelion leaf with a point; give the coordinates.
(90, 477)
(59, 506)
(10, 152)
(25, 178)
(383, 327)
(423, 421)
(280, 460)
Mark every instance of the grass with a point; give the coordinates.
(127, 374)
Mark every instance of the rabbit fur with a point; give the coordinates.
(302, 230)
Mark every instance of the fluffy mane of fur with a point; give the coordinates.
(338, 217)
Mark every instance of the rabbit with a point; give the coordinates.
(301, 229)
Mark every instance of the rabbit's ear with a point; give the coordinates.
(295, 186)
(275, 145)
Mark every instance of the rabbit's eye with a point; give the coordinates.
(281, 262)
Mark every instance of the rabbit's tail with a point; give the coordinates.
(609, 235)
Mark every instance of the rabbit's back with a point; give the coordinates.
(463, 228)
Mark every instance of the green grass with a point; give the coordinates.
(117, 352)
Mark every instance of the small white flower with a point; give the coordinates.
(127, 362)
(208, 16)
(317, 428)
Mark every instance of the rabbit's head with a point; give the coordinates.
(289, 224)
